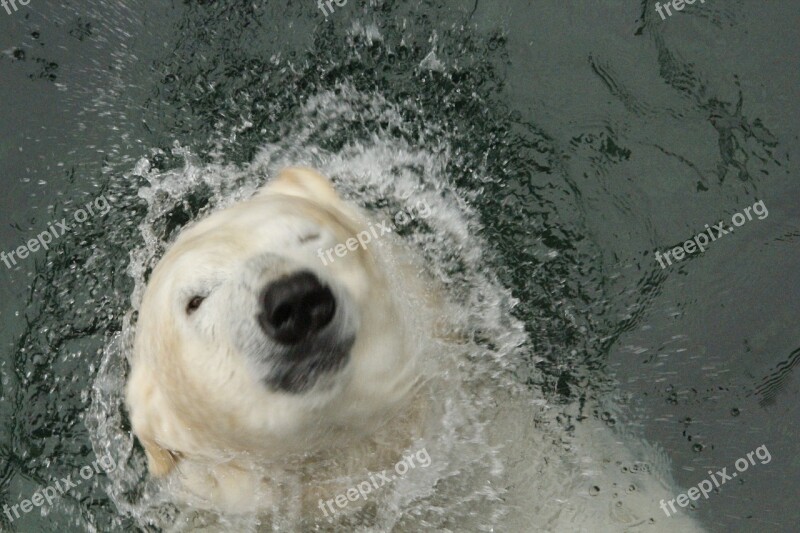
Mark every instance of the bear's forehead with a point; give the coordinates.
(270, 218)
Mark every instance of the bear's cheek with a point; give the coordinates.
(355, 280)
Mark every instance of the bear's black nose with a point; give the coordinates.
(295, 307)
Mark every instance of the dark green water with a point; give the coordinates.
(583, 136)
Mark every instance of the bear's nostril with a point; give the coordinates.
(320, 304)
(295, 307)
(280, 315)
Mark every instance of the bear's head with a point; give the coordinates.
(250, 340)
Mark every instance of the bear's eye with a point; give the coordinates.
(308, 237)
(194, 304)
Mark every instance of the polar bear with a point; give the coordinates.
(256, 363)
(248, 349)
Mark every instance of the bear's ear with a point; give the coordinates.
(160, 461)
(304, 182)
(147, 408)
